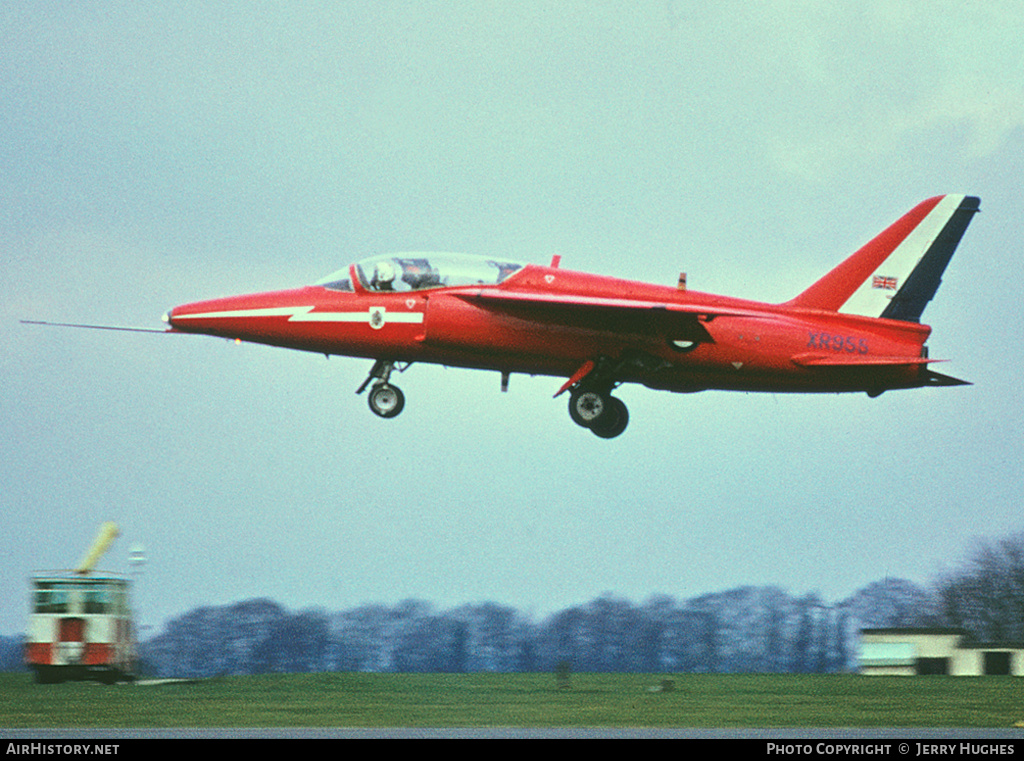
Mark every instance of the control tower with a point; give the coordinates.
(80, 621)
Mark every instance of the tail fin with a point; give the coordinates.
(897, 273)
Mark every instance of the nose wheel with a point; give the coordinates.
(385, 399)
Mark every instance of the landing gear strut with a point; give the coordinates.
(385, 400)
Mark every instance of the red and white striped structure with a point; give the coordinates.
(80, 622)
(80, 627)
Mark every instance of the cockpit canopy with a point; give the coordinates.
(418, 272)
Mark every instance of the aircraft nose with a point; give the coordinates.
(172, 317)
(168, 318)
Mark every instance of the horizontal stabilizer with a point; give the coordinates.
(845, 360)
(938, 379)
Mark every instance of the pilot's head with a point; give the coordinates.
(385, 272)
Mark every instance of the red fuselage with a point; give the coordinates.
(549, 321)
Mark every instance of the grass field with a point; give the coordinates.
(519, 700)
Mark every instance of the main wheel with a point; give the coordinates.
(386, 400)
(613, 421)
(587, 407)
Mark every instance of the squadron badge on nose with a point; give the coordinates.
(377, 317)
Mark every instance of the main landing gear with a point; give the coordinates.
(591, 404)
(605, 415)
(385, 400)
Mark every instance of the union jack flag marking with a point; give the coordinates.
(885, 283)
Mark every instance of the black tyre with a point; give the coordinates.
(586, 407)
(386, 400)
(613, 421)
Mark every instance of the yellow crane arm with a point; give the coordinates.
(107, 534)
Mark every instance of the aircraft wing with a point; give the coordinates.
(606, 313)
(602, 303)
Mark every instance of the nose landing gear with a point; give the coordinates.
(385, 399)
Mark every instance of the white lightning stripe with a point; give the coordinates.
(303, 314)
(272, 312)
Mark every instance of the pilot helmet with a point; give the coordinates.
(385, 272)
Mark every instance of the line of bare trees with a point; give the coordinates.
(985, 596)
(748, 629)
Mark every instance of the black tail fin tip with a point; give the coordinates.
(909, 302)
(896, 273)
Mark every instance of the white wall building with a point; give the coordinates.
(910, 652)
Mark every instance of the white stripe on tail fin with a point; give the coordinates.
(896, 274)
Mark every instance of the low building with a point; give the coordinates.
(912, 652)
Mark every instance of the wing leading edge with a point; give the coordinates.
(597, 311)
(603, 303)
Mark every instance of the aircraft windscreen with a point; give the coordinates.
(336, 281)
(417, 272)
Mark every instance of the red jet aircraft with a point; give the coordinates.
(856, 329)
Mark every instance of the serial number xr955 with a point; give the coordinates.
(830, 342)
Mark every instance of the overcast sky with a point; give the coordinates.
(153, 154)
